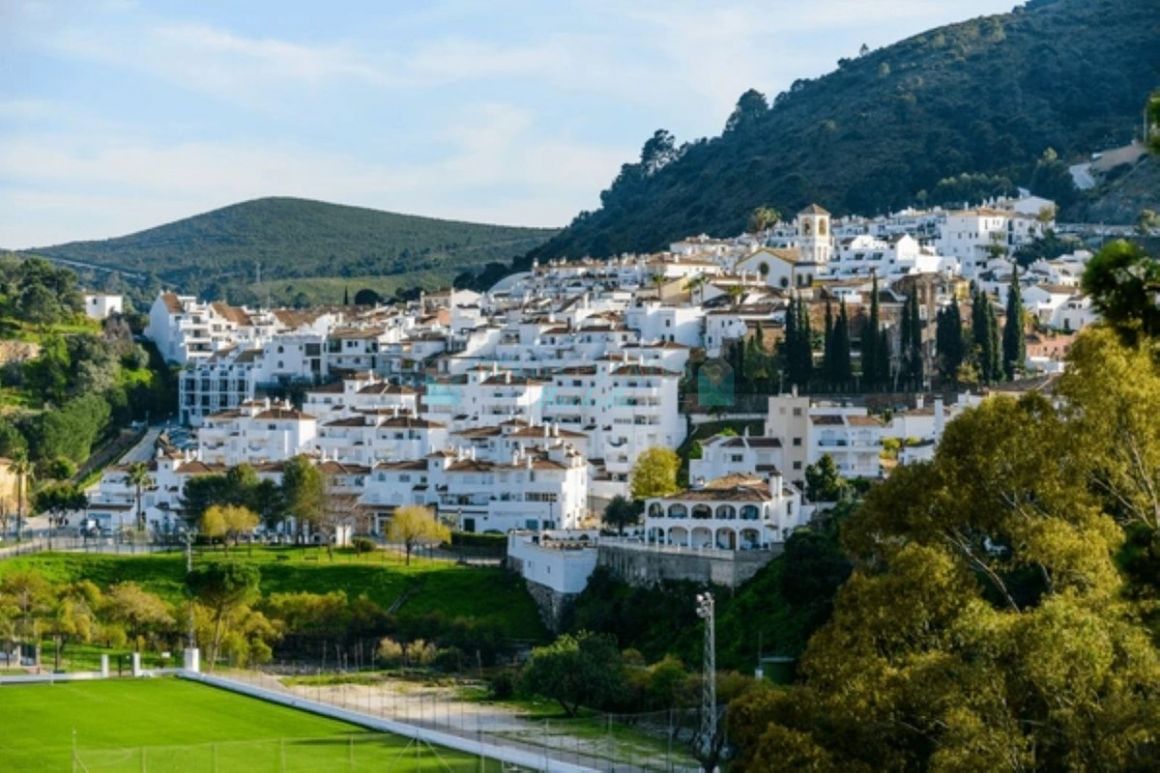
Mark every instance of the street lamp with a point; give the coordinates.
(705, 611)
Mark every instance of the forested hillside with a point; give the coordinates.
(299, 238)
(987, 97)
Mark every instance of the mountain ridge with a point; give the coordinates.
(295, 238)
(987, 96)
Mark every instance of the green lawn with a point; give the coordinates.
(190, 727)
(479, 593)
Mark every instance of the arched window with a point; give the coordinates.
(678, 511)
(783, 282)
(726, 512)
(655, 510)
(702, 511)
(750, 513)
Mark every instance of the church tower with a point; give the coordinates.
(814, 237)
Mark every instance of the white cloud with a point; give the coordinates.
(499, 168)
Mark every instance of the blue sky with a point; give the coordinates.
(118, 115)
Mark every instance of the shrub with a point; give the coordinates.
(363, 545)
(390, 652)
(420, 653)
(502, 686)
(449, 659)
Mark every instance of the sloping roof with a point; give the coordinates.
(814, 209)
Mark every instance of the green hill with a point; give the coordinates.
(986, 97)
(295, 238)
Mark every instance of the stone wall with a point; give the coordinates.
(645, 566)
(551, 604)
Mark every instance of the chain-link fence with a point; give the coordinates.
(648, 741)
(356, 752)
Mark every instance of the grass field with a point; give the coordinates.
(478, 593)
(190, 727)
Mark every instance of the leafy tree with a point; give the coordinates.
(304, 490)
(823, 481)
(29, 595)
(413, 525)
(762, 219)
(655, 473)
(200, 493)
(1111, 394)
(223, 589)
(141, 615)
(751, 107)
(59, 498)
(74, 616)
(621, 512)
(1153, 111)
(578, 670)
(1123, 282)
(367, 297)
(1013, 648)
(228, 522)
(1014, 339)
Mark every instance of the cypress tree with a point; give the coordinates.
(843, 371)
(871, 375)
(805, 344)
(994, 343)
(981, 335)
(949, 340)
(789, 343)
(914, 340)
(1014, 339)
(346, 296)
(828, 346)
(883, 353)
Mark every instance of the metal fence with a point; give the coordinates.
(650, 741)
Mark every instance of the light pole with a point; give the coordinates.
(705, 610)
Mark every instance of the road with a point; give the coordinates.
(143, 451)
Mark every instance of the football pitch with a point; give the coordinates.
(172, 725)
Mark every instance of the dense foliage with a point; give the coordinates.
(1020, 643)
(299, 238)
(901, 124)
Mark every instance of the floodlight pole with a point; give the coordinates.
(705, 610)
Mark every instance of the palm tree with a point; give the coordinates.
(22, 468)
(735, 293)
(138, 478)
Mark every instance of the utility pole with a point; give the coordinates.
(705, 611)
(188, 571)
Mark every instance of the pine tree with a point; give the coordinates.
(843, 371)
(1014, 339)
(346, 296)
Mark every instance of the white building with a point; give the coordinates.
(257, 431)
(736, 512)
(101, 306)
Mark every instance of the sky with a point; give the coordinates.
(118, 115)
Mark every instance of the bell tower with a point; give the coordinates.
(814, 237)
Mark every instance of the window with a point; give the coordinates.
(797, 465)
(797, 441)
